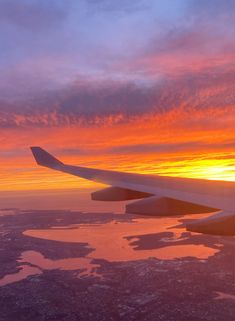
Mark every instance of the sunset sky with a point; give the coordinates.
(142, 86)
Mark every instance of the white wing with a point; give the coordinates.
(161, 194)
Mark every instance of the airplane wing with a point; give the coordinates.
(159, 195)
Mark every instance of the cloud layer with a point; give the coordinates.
(84, 62)
(122, 80)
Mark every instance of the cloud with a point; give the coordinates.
(122, 6)
(195, 42)
(174, 148)
(204, 94)
(155, 148)
(88, 103)
(85, 37)
(125, 81)
(32, 15)
(209, 8)
(49, 44)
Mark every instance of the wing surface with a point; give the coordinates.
(218, 195)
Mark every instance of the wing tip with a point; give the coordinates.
(43, 158)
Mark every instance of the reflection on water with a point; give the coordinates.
(33, 263)
(114, 241)
(110, 242)
(71, 264)
(4, 212)
(24, 272)
(224, 296)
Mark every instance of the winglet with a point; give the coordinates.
(43, 158)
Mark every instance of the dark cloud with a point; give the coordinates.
(211, 8)
(87, 104)
(185, 41)
(157, 148)
(92, 103)
(32, 15)
(121, 6)
(109, 99)
(135, 149)
(173, 148)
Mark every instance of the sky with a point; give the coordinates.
(142, 86)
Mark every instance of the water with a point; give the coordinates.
(115, 241)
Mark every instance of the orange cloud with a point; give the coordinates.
(179, 142)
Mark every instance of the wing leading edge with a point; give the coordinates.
(215, 195)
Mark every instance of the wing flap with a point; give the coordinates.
(114, 193)
(165, 206)
(221, 223)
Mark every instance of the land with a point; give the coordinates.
(185, 289)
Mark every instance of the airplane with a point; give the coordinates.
(157, 195)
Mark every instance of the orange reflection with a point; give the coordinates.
(111, 241)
